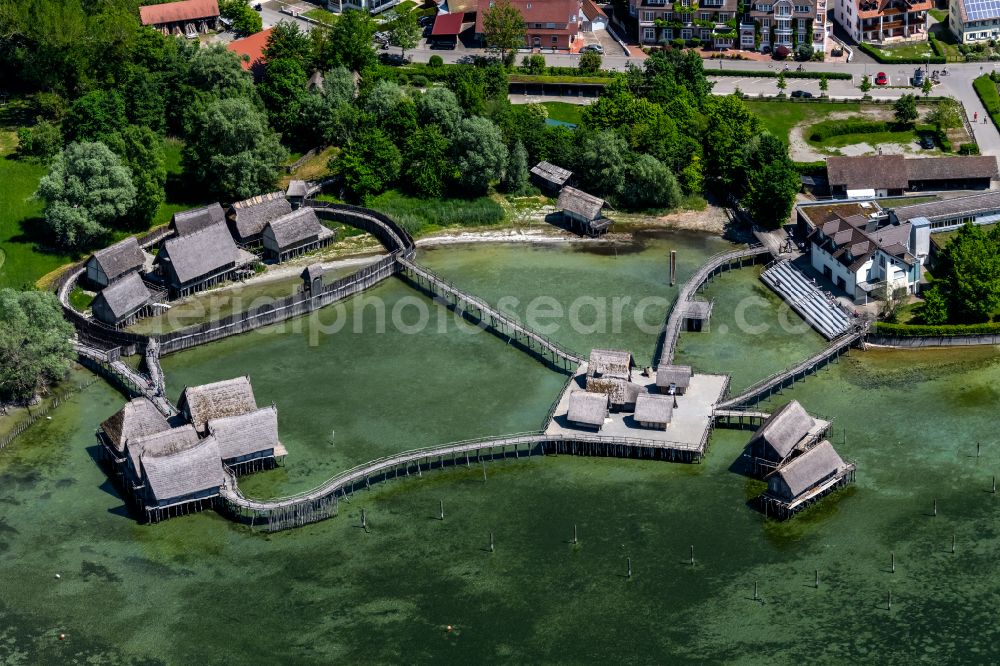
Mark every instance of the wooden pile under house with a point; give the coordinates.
(194, 220)
(115, 262)
(294, 234)
(248, 442)
(183, 480)
(673, 379)
(786, 433)
(296, 192)
(122, 303)
(587, 410)
(248, 218)
(805, 479)
(312, 279)
(654, 411)
(137, 419)
(229, 397)
(201, 260)
(549, 177)
(609, 371)
(584, 212)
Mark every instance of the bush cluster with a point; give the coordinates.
(831, 128)
(753, 73)
(942, 330)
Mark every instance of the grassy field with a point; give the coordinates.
(873, 139)
(915, 50)
(564, 111)
(321, 15)
(781, 116)
(422, 216)
(314, 168)
(80, 299)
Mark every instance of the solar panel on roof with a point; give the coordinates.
(978, 10)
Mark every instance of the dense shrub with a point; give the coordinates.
(968, 149)
(922, 330)
(415, 215)
(756, 73)
(435, 61)
(987, 91)
(831, 128)
(811, 168)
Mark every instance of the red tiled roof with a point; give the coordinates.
(186, 10)
(558, 12)
(252, 47)
(592, 11)
(447, 24)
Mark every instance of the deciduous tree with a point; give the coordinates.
(439, 106)
(515, 177)
(503, 28)
(771, 181)
(368, 165)
(905, 110)
(427, 164)
(350, 42)
(970, 272)
(35, 343)
(480, 154)
(650, 184)
(603, 162)
(405, 32)
(590, 62)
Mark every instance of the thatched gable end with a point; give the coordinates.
(250, 435)
(197, 219)
(110, 263)
(805, 472)
(230, 397)
(654, 410)
(249, 217)
(196, 471)
(779, 434)
(121, 299)
(296, 228)
(137, 419)
(589, 409)
(579, 204)
(198, 254)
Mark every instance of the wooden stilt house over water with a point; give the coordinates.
(230, 397)
(182, 481)
(139, 418)
(673, 379)
(786, 433)
(587, 410)
(294, 234)
(248, 218)
(805, 479)
(158, 443)
(115, 262)
(122, 303)
(584, 212)
(654, 411)
(248, 442)
(609, 371)
(697, 315)
(194, 220)
(549, 177)
(201, 260)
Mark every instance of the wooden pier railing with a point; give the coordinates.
(132, 382)
(498, 322)
(323, 501)
(715, 264)
(762, 389)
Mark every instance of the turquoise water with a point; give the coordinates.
(203, 590)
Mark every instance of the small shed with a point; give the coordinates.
(190, 475)
(248, 440)
(594, 17)
(296, 192)
(549, 177)
(673, 379)
(248, 218)
(196, 219)
(122, 303)
(312, 279)
(294, 234)
(446, 29)
(115, 261)
(587, 410)
(780, 433)
(697, 315)
(584, 212)
(654, 411)
(137, 419)
(230, 397)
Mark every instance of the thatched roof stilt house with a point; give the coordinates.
(805, 479)
(584, 212)
(587, 410)
(229, 397)
(248, 218)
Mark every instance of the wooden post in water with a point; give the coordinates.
(994, 484)
(629, 559)
(952, 543)
(692, 555)
(441, 509)
(755, 597)
(484, 471)
(492, 547)
(364, 520)
(888, 600)
(935, 507)
(817, 579)
(978, 448)
(892, 562)
(673, 267)
(574, 534)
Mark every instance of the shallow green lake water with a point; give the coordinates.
(203, 590)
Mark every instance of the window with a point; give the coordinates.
(705, 16)
(550, 26)
(706, 34)
(555, 40)
(648, 34)
(647, 16)
(765, 23)
(802, 25)
(723, 17)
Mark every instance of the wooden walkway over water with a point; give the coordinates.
(131, 381)
(777, 381)
(716, 264)
(323, 501)
(485, 314)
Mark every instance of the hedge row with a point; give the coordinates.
(767, 73)
(810, 168)
(830, 128)
(987, 91)
(945, 330)
(897, 60)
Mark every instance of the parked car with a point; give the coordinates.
(918, 77)
(881, 79)
(425, 20)
(593, 48)
(257, 6)
(393, 59)
(926, 141)
(804, 94)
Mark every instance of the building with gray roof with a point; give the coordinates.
(194, 220)
(201, 260)
(248, 218)
(587, 410)
(781, 434)
(115, 261)
(177, 478)
(673, 379)
(123, 302)
(550, 177)
(654, 411)
(583, 211)
(137, 419)
(805, 479)
(248, 439)
(229, 397)
(294, 234)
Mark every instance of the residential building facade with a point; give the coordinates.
(790, 23)
(974, 20)
(884, 21)
(714, 22)
(548, 24)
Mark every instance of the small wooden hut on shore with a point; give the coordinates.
(805, 479)
(229, 397)
(654, 411)
(248, 218)
(194, 220)
(200, 260)
(294, 234)
(122, 303)
(115, 262)
(296, 192)
(587, 410)
(583, 212)
(673, 379)
(549, 177)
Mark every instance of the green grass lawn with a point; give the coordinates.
(321, 15)
(939, 14)
(80, 299)
(873, 139)
(780, 117)
(943, 238)
(422, 215)
(915, 50)
(564, 111)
